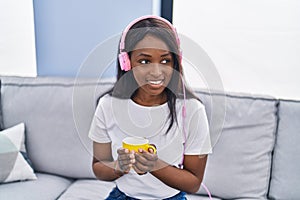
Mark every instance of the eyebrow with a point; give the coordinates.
(166, 54)
(147, 55)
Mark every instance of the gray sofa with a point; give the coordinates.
(257, 155)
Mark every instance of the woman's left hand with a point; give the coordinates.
(145, 161)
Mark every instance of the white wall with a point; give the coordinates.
(254, 44)
(18, 37)
(17, 42)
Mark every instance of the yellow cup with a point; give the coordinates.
(136, 143)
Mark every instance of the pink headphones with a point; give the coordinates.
(123, 56)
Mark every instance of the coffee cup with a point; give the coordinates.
(136, 143)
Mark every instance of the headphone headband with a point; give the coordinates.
(124, 33)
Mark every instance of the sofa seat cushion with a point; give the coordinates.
(96, 190)
(88, 189)
(47, 187)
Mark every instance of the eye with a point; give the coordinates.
(144, 61)
(165, 61)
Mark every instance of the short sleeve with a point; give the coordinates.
(98, 131)
(198, 137)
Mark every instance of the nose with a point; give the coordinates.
(155, 70)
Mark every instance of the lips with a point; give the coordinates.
(156, 82)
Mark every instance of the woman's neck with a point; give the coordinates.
(150, 100)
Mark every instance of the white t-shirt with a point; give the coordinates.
(116, 119)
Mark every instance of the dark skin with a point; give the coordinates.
(187, 179)
(152, 68)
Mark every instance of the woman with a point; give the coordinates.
(149, 83)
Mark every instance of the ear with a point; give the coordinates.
(124, 61)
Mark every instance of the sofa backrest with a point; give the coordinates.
(285, 178)
(57, 113)
(240, 165)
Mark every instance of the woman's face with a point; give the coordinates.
(152, 64)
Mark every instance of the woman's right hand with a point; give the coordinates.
(125, 161)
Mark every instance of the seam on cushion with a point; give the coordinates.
(111, 83)
(64, 191)
(274, 144)
(290, 100)
(243, 96)
(54, 84)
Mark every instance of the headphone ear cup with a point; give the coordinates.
(124, 61)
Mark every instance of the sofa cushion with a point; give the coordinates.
(88, 189)
(285, 179)
(13, 166)
(47, 187)
(1, 117)
(240, 164)
(57, 113)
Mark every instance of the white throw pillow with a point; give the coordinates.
(13, 166)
